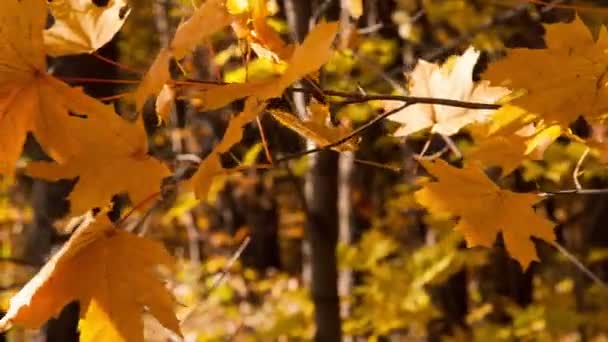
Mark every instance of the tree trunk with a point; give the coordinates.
(322, 229)
(322, 204)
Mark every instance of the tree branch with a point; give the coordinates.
(358, 98)
(574, 192)
(345, 138)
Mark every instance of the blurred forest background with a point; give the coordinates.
(333, 246)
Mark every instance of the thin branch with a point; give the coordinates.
(395, 169)
(349, 97)
(574, 192)
(264, 141)
(452, 146)
(577, 169)
(579, 265)
(117, 64)
(357, 98)
(345, 138)
(98, 80)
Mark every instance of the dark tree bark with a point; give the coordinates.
(322, 230)
(321, 200)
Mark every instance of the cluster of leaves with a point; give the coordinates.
(523, 103)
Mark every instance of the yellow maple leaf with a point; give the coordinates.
(484, 209)
(264, 40)
(111, 273)
(83, 26)
(211, 166)
(60, 117)
(318, 129)
(563, 81)
(452, 81)
(251, 24)
(307, 58)
(507, 152)
(209, 18)
(124, 170)
(511, 136)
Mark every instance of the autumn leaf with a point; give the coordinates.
(451, 81)
(263, 39)
(594, 17)
(484, 209)
(31, 100)
(155, 79)
(512, 136)
(318, 129)
(111, 273)
(121, 170)
(354, 8)
(164, 103)
(209, 18)
(211, 166)
(83, 26)
(307, 58)
(563, 81)
(507, 152)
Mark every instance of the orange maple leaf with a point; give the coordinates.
(265, 41)
(111, 273)
(563, 81)
(60, 117)
(484, 209)
(105, 171)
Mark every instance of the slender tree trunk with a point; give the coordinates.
(322, 230)
(322, 202)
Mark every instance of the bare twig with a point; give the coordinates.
(579, 265)
(574, 192)
(577, 169)
(452, 146)
(345, 138)
(264, 141)
(410, 100)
